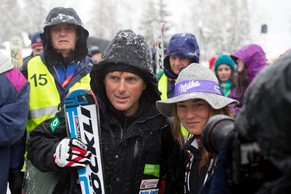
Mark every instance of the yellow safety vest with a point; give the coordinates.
(163, 87)
(44, 96)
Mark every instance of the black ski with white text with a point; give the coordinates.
(82, 119)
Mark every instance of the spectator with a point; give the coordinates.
(225, 71)
(17, 161)
(250, 60)
(63, 66)
(36, 46)
(95, 53)
(13, 110)
(197, 97)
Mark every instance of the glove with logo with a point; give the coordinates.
(72, 153)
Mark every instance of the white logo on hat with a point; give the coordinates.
(185, 87)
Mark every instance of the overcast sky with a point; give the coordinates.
(275, 13)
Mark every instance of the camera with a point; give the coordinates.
(247, 167)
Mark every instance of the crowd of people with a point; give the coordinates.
(150, 124)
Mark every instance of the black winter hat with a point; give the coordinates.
(61, 15)
(130, 51)
(265, 117)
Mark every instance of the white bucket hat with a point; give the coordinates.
(195, 82)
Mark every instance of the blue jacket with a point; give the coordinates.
(14, 101)
(182, 45)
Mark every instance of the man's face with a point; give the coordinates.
(178, 63)
(64, 38)
(37, 50)
(123, 89)
(97, 56)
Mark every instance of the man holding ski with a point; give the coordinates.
(139, 154)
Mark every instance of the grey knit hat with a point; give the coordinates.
(195, 82)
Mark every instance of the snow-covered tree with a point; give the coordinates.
(20, 16)
(221, 26)
(154, 12)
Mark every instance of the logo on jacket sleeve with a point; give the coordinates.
(54, 124)
(149, 183)
(149, 191)
(152, 169)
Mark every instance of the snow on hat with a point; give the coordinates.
(195, 82)
(36, 40)
(62, 15)
(128, 52)
(224, 59)
(182, 45)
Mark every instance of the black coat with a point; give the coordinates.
(194, 176)
(128, 144)
(131, 143)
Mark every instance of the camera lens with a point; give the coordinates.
(216, 131)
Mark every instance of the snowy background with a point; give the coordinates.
(215, 22)
(275, 13)
(128, 14)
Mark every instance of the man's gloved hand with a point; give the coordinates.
(72, 153)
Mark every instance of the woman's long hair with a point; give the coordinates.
(241, 83)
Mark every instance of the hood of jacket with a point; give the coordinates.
(253, 57)
(60, 15)
(182, 45)
(127, 51)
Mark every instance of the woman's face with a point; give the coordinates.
(223, 72)
(240, 65)
(193, 115)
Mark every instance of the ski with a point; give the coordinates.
(158, 44)
(82, 119)
(16, 51)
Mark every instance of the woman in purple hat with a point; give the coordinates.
(197, 97)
